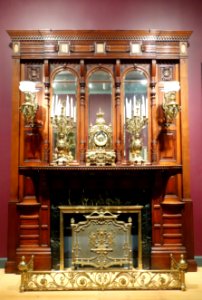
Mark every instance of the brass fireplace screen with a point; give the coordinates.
(101, 241)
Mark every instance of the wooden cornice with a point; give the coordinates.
(98, 35)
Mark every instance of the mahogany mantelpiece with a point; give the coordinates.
(162, 56)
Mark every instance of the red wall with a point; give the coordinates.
(104, 14)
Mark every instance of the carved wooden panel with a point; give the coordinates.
(45, 224)
(29, 225)
(56, 65)
(167, 145)
(32, 145)
(117, 48)
(33, 72)
(82, 48)
(166, 72)
(172, 186)
(172, 224)
(28, 188)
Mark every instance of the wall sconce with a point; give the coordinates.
(29, 107)
(170, 107)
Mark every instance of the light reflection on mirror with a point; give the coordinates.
(135, 104)
(100, 95)
(64, 94)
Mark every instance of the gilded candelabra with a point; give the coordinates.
(134, 126)
(65, 126)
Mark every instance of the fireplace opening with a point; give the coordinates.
(100, 190)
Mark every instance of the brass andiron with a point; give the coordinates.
(25, 267)
(30, 106)
(65, 126)
(134, 126)
(181, 266)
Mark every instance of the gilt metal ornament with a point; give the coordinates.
(77, 280)
(100, 151)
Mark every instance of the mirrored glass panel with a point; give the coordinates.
(100, 95)
(63, 117)
(136, 117)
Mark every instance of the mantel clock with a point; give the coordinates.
(100, 151)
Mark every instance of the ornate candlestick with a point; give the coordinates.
(64, 126)
(134, 126)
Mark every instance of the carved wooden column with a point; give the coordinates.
(157, 198)
(46, 114)
(118, 111)
(153, 112)
(82, 128)
(34, 223)
(14, 181)
(186, 197)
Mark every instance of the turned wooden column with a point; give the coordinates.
(14, 181)
(82, 115)
(186, 197)
(118, 112)
(46, 114)
(152, 109)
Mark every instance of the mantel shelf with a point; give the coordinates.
(171, 169)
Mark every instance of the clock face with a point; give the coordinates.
(100, 138)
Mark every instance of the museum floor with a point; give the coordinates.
(9, 289)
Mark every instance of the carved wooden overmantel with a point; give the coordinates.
(71, 57)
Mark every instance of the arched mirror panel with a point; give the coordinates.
(100, 95)
(100, 129)
(136, 116)
(64, 117)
